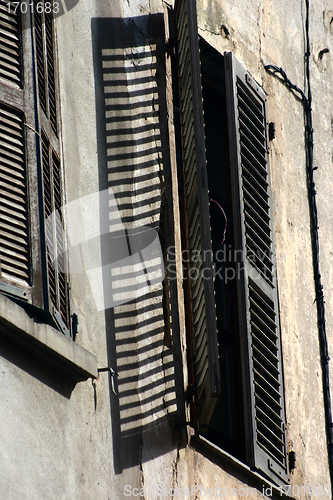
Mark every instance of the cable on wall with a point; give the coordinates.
(307, 103)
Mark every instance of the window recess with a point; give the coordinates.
(234, 319)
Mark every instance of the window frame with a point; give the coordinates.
(254, 456)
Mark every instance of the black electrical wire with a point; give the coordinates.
(307, 103)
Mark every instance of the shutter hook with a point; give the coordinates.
(112, 373)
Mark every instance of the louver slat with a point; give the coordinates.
(10, 45)
(260, 326)
(14, 229)
(206, 363)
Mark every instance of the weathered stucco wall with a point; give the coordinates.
(132, 338)
(61, 443)
(89, 443)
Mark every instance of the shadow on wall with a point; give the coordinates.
(133, 158)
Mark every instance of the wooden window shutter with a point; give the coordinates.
(18, 183)
(204, 331)
(14, 224)
(260, 327)
(31, 177)
(45, 64)
(56, 283)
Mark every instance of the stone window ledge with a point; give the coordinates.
(45, 342)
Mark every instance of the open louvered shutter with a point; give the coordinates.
(30, 165)
(45, 64)
(205, 348)
(54, 236)
(55, 282)
(247, 123)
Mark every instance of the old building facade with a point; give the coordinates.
(166, 249)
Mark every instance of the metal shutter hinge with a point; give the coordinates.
(292, 460)
(170, 47)
(190, 393)
(75, 324)
(271, 131)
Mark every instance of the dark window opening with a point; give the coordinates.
(226, 428)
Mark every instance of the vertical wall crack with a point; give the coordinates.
(142, 478)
